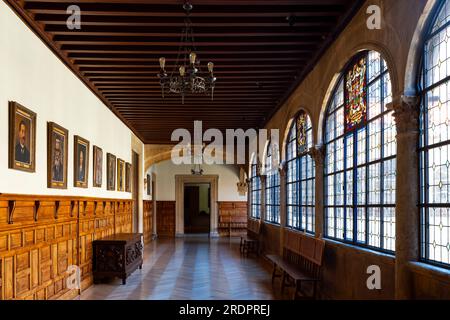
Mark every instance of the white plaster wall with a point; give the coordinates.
(165, 180)
(33, 76)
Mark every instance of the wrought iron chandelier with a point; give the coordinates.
(186, 74)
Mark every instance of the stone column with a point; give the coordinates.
(318, 155)
(283, 207)
(406, 114)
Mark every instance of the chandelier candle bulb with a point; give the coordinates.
(162, 63)
(182, 71)
(210, 67)
(192, 57)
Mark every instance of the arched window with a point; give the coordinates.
(360, 159)
(435, 141)
(272, 185)
(300, 175)
(255, 185)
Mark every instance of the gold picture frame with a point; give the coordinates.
(120, 175)
(22, 138)
(80, 162)
(97, 167)
(111, 172)
(57, 153)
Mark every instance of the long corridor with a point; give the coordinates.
(191, 269)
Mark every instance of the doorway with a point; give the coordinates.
(180, 182)
(197, 208)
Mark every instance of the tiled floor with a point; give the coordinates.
(191, 269)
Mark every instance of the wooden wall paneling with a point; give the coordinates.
(232, 218)
(36, 247)
(148, 221)
(165, 219)
(123, 217)
(86, 236)
(41, 236)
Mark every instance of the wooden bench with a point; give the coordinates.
(250, 241)
(301, 262)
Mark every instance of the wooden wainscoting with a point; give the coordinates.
(148, 221)
(41, 236)
(165, 218)
(232, 218)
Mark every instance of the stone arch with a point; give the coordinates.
(413, 62)
(288, 130)
(367, 46)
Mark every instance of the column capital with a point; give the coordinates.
(258, 168)
(406, 113)
(283, 169)
(318, 154)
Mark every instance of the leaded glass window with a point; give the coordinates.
(300, 176)
(272, 186)
(255, 193)
(435, 142)
(360, 162)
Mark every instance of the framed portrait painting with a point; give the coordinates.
(128, 177)
(98, 167)
(80, 162)
(22, 138)
(111, 172)
(120, 175)
(57, 150)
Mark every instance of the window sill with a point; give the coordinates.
(430, 271)
(390, 258)
(272, 224)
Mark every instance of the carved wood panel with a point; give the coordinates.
(232, 218)
(165, 218)
(148, 221)
(41, 236)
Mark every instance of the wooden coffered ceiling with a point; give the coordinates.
(261, 50)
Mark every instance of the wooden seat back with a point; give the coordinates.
(305, 251)
(253, 228)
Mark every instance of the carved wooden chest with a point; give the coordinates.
(117, 256)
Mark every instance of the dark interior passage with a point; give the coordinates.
(197, 208)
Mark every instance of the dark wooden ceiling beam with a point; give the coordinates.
(99, 41)
(178, 3)
(176, 35)
(258, 53)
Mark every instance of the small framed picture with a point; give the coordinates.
(22, 138)
(120, 175)
(81, 162)
(128, 177)
(149, 184)
(111, 173)
(98, 166)
(57, 150)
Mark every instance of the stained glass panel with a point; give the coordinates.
(300, 176)
(355, 93)
(360, 157)
(301, 133)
